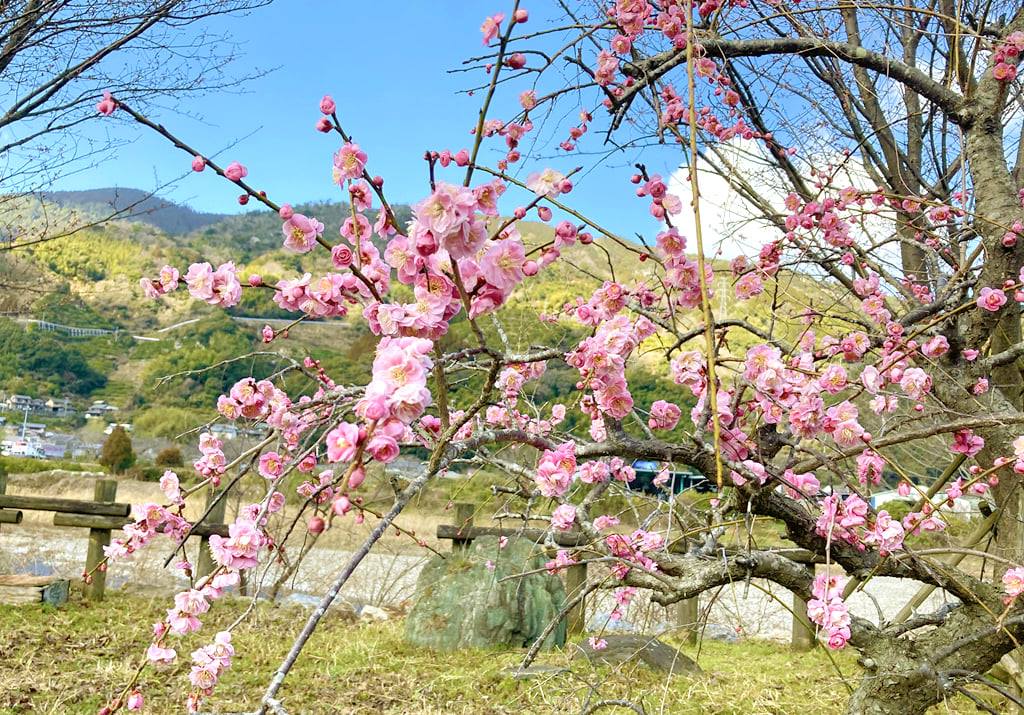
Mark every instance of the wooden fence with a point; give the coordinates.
(688, 618)
(101, 516)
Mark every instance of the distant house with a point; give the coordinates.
(233, 431)
(225, 431)
(53, 451)
(19, 403)
(114, 425)
(99, 409)
(261, 429)
(55, 406)
(60, 407)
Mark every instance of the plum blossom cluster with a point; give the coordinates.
(632, 18)
(662, 202)
(1007, 57)
(682, 272)
(510, 383)
(563, 560)
(634, 550)
(664, 415)
(623, 597)
(217, 286)
(848, 520)
(326, 296)
(449, 235)
(688, 368)
(212, 463)
(851, 521)
(555, 470)
(1013, 582)
(149, 521)
(208, 664)
(259, 400)
(165, 282)
(601, 361)
(828, 610)
(597, 471)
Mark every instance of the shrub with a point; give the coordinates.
(145, 474)
(897, 508)
(169, 457)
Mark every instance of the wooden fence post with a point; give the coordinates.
(803, 631)
(104, 491)
(688, 618)
(464, 522)
(204, 564)
(575, 584)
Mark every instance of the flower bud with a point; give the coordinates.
(357, 477)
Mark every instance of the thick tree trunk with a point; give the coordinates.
(891, 694)
(998, 207)
(895, 683)
(909, 674)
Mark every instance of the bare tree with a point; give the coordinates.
(57, 57)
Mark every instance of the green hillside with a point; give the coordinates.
(167, 386)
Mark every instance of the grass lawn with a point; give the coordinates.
(69, 660)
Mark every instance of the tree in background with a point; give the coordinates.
(876, 151)
(117, 454)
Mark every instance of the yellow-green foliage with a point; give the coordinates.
(101, 267)
(95, 254)
(169, 422)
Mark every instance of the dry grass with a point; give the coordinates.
(70, 660)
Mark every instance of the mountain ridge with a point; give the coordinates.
(169, 216)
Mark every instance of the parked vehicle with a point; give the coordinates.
(679, 480)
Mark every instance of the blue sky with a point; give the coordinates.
(386, 66)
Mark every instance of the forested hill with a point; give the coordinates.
(136, 205)
(90, 279)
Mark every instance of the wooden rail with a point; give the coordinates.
(454, 533)
(688, 616)
(69, 506)
(88, 521)
(101, 516)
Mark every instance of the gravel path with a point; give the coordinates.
(390, 578)
(760, 611)
(382, 579)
